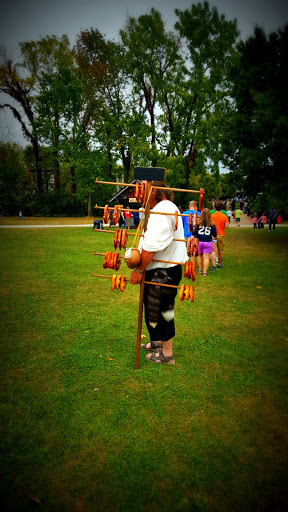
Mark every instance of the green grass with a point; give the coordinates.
(82, 430)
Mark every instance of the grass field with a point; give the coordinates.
(82, 430)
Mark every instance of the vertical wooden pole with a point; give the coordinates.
(141, 296)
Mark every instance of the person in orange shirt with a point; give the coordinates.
(221, 222)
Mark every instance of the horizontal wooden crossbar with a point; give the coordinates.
(131, 210)
(159, 188)
(157, 261)
(146, 282)
(133, 234)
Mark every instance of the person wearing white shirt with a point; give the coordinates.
(229, 213)
(158, 243)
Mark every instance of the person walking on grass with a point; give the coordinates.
(255, 221)
(185, 220)
(272, 218)
(205, 230)
(158, 243)
(262, 221)
(128, 215)
(229, 213)
(238, 214)
(221, 222)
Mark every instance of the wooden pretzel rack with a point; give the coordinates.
(143, 193)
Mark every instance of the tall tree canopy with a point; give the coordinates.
(256, 142)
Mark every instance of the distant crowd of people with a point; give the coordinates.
(260, 219)
(210, 232)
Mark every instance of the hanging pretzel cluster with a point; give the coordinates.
(106, 215)
(186, 292)
(192, 246)
(140, 192)
(111, 260)
(116, 215)
(120, 239)
(192, 221)
(190, 270)
(118, 283)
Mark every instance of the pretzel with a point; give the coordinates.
(120, 239)
(192, 246)
(176, 220)
(105, 260)
(117, 283)
(111, 260)
(193, 270)
(106, 215)
(191, 294)
(181, 296)
(201, 199)
(186, 269)
(189, 247)
(110, 263)
(122, 284)
(142, 193)
(137, 191)
(195, 217)
(117, 262)
(116, 215)
(190, 222)
(113, 282)
(187, 292)
(124, 239)
(116, 239)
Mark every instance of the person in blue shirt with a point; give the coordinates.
(205, 230)
(185, 220)
(272, 218)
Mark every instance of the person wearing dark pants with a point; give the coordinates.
(158, 244)
(272, 218)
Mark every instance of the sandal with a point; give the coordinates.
(200, 272)
(161, 358)
(154, 346)
(204, 274)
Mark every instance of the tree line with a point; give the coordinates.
(191, 100)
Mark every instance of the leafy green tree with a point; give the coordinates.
(151, 57)
(50, 64)
(203, 94)
(58, 106)
(20, 90)
(89, 166)
(256, 142)
(22, 83)
(12, 169)
(110, 104)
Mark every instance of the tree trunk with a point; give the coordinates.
(89, 205)
(38, 166)
(56, 171)
(190, 163)
(126, 159)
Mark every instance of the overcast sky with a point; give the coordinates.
(27, 20)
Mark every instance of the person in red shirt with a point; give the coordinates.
(221, 222)
(128, 215)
